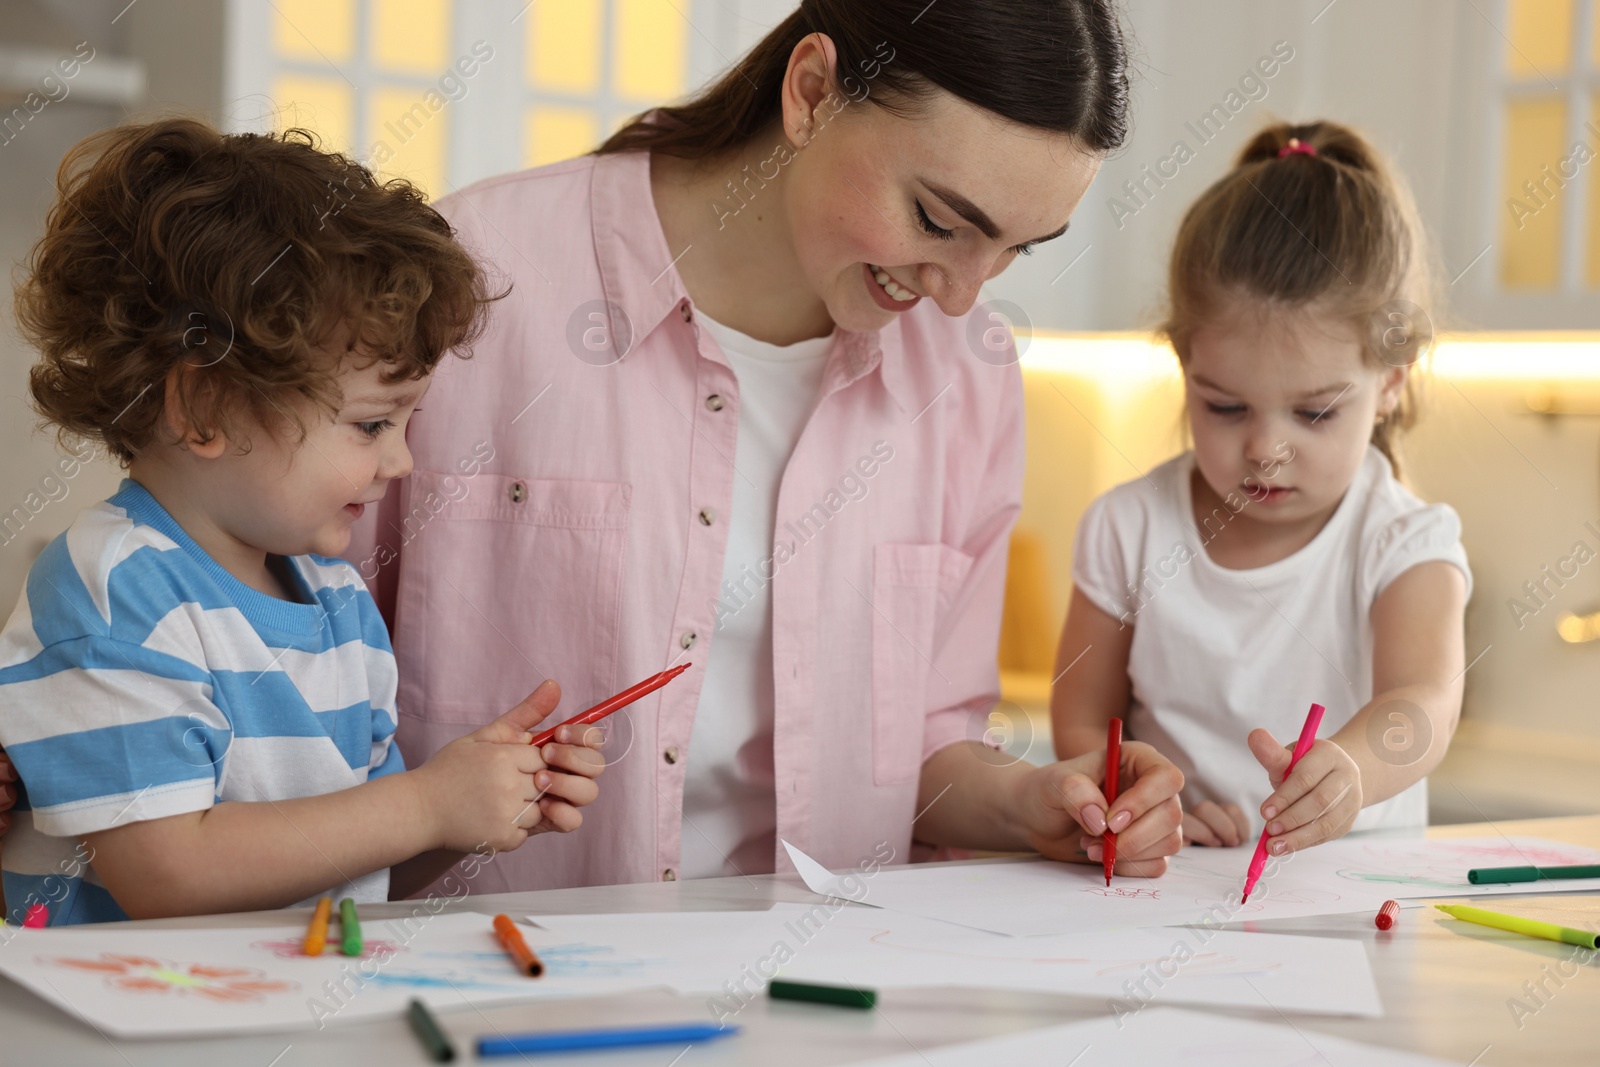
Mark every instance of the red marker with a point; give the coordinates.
(38, 917)
(1108, 846)
(1308, 737)
(606, 707)
(1387, 915)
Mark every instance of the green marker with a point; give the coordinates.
(349, 928)
(1492, 875)
(426, 1027)
(1519, 925)
(843, 996)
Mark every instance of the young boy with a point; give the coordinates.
(198, 699)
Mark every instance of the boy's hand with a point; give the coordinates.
(480, 789)
(573, 751)
(8, 791)
(1063, 810)
(1210, 823)
(1317, 803)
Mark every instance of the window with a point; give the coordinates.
(389, 80)
(1548, 235)
(372, 77)
(591, 64)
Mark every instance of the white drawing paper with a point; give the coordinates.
(1203, 885)
(730, 957)
(131, 981)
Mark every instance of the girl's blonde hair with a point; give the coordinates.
(1310, 216)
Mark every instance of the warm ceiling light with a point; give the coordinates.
(1124, 360)
(1560, 356)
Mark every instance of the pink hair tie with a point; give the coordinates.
(1296, 145)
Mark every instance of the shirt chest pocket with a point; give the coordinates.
(506, 581)
(912, 585)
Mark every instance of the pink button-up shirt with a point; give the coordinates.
(567, 519)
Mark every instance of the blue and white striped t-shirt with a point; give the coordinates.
(139, 680)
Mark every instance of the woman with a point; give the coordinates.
(734, 413)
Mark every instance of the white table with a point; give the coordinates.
(1445, 990)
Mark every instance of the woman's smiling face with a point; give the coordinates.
(887, 209)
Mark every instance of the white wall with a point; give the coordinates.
(28, 164)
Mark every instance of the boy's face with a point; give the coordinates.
(290, 497)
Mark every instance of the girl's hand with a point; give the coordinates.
(8, 791)
(1210, 823)
(1063, 812)
(1317, 803)
(574, 751)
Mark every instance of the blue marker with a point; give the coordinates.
(614, 1037)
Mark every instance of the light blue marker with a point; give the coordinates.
(611, 1037)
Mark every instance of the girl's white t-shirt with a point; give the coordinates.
(729, 803)
(1217, 652)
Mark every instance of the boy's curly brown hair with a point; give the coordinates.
(243, 256)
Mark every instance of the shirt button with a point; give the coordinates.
(671, 754)
(708, 516)
(714, 402)
(688, 639)
(669, 875)
(683, 309)
(519, 492)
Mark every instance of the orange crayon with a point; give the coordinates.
(317, 932)
(511, 940)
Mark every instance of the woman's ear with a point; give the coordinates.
(806, 85)
(182, 381)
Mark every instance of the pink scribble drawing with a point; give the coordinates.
(1124, 892)
(145, 974)
(295, 949)
(1444, 865)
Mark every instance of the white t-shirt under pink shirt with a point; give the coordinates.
(729, 803)
(1217, 652)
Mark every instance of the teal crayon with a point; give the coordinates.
(1500, 875)
(427, 1029)
(843, 996)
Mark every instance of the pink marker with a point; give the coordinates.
(1308, 737)
(38, 917)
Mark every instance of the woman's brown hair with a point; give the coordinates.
(1057, 65)
(1310, 217)
(241, 255)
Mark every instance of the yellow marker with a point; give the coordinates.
(317, 932)
(1518, 925)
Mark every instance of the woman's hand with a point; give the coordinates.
(1210, 823)
(1317, 803)
(1064, 812)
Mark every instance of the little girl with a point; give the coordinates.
(1280, 562)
